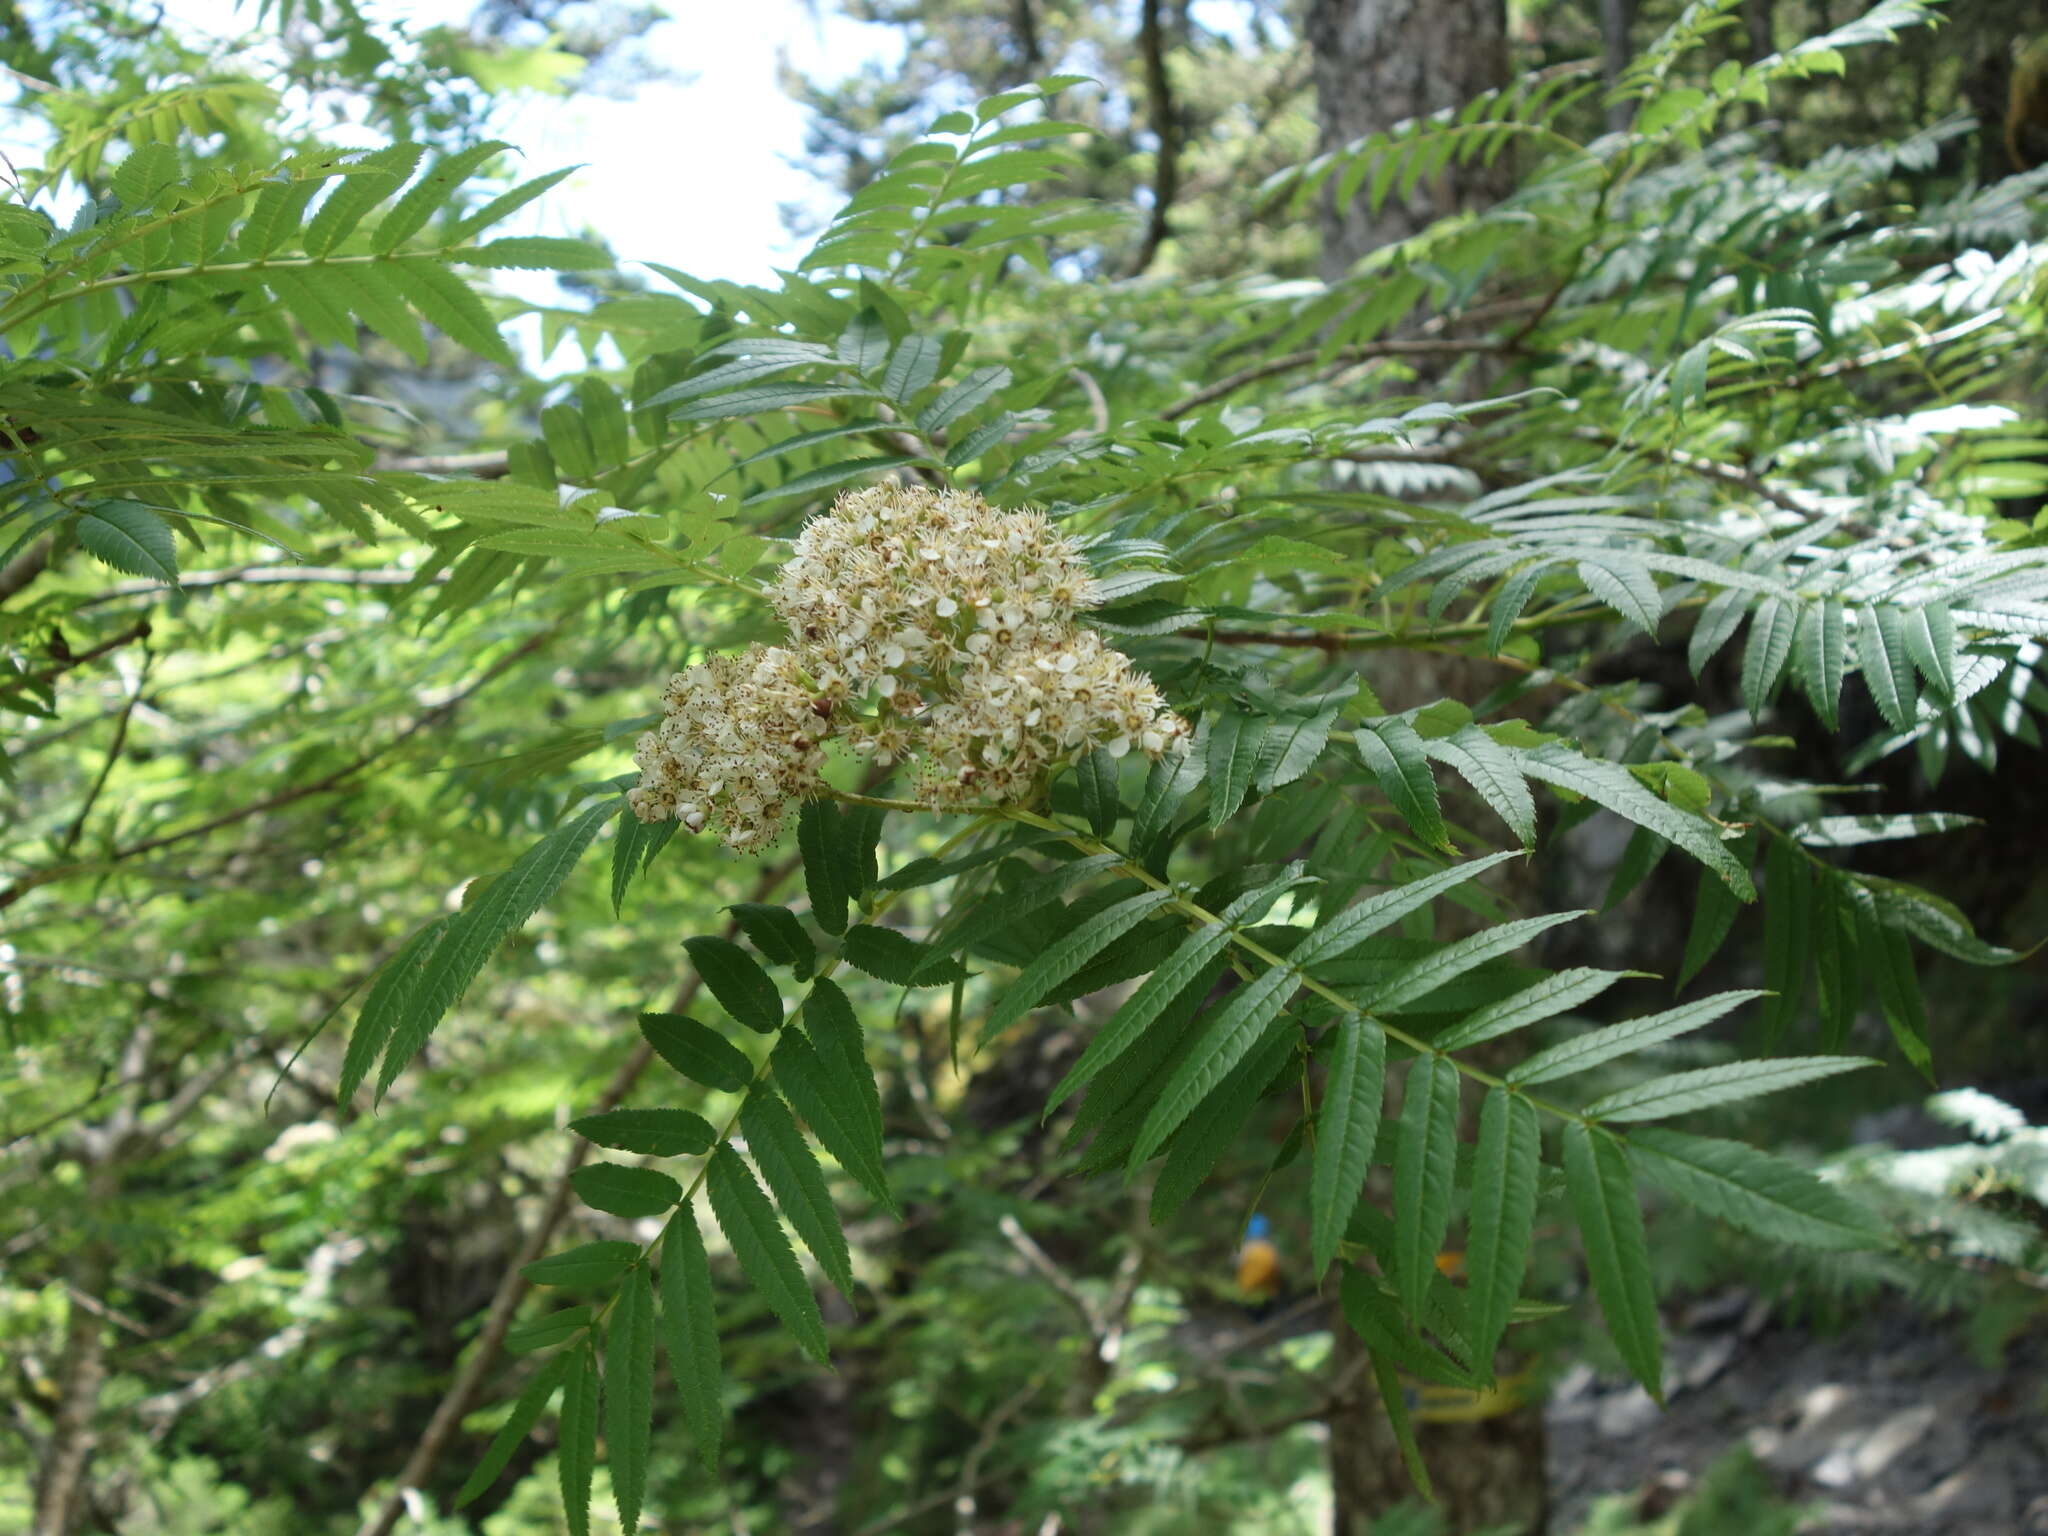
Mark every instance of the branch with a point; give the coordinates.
(24, 568)
(1308, 357)
(114, 749)
(490, 1341)
(1165, 128)
(261, 575)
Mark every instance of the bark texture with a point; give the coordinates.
(1380, 62)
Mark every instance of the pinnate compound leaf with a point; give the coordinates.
(1599, 1046)
(621, 1191)
(750, 1226)
(737, 981)
(1680, 1093)
(1345, 1133)
(1503, 1217)
(1754, 1190)
(655, 1132)
(777, 1145)
(1603, 1197)
(699, 1053)
(629, 1394)
(690, 1327)
(1425, 1156)
(512, 1433)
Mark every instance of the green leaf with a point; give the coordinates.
(479, 928)
(1887, 664)
(1713, 914)
(1354, 925)
(452, 307)
(1393, 751)
(539, 253)
(1503, 1216)
(1754, 1190)
(737, 981)
(1837, 966)
(1490, 769)
(1095, 776)
(750, 1226)
(1454, 960)
(1376, 1317)
(776, 932)
(355, 195)
(1603, 1196)
(1234, 743)
(1208, 1135)
(1770, 642)
(589, 1264)
(1931, 642)
(512, 1433)
(1717, 624)
(385, 1003)
(829, 475)
(956, 401)
(889, 955)
(700, 1054)
(834, 1105)
(1788, 936)
(629, 1394)
(621, 1191)
(1890, 959)
(996, 912)
(629, 852)
(778, 1148)
(826, 877)
(655, 1132)
(864, 345)
(576, 1454)
(691, 1327)
(1346, 1130)
(1067, 954)
(1233, 1029)
(912, 368)
(1822, 639)
(546, 1332)
(1644, 852)
(1425, 1156)
(1680, 1093)
(1514, 596)
(1144, 1007)
(436, 185)
(1395, 1400)
(1615, 788)
(1597, 1047)
(835, 1033)
(1542, 1000)
(130, 537)
(1629, 589)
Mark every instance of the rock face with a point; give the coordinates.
(1889, 1425)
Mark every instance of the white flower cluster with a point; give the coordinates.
(923, 624)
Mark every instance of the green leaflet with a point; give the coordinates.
(1754, 1190)
(1788, 930)
(834, 1106)
(700, 1054)
(1346, 1131)
(1233, 1029)
(912, 367)
(889, 955)
(1375, 1318)
(777, 934)
(1822, 639)
(1717, 624)
(629, 1393)
(1680, 1093)
(1488, 767)
(1354, 925)
(441, 976)
(1604, 1045)
(1235, 742)
(1292, 747)
(1454, 960)
(1542, 1000)
(385, 1005)
(957, 400)
(998, 911)
(577, 1452)
(1395, 1400)
(1503, 1216)
(1393, 751)
(1933, 921)
(1205, 1137)
(1171, 780)
(512, 1433)
(622, 1191)
(836, 1034)
(1888, 955)
(1603, 1196)
(1425, 1155)
(1618, 790)
(1130, 1047)
(629, 847)
(1887, 664)
(1770, 643)
(1095, 776)
(1514, 596)
(1626, 587)
(546, 1332)
(691, 1331)
(1644, 852)
(737, 981)
(1067, 955)
(828, 877)
(778, 1148)
(750, 1225)
(1713, 914)
(654, 1132)
(435, 186)
(130, 537)
(1931, 642)
(354, 196)
(588, 1264)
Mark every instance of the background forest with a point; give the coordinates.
(1576, 470)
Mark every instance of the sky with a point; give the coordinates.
(689, 172)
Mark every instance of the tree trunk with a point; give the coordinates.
(1617, 29)
(1381, 62)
